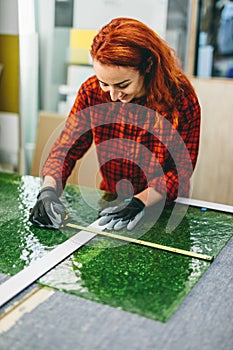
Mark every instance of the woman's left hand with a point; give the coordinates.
(123, 215)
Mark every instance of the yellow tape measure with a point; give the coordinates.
(144, 243)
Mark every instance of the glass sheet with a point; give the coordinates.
(146, 281)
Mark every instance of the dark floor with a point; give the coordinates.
(204, 321)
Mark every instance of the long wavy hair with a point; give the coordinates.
(130, 43)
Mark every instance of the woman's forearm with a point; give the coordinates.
(49, 181)
(149, 196)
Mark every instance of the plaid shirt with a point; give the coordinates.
(129, 146)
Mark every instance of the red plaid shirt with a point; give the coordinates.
(129, 145)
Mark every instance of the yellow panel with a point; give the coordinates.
(80, 44)
(9, 80)
(81, 39)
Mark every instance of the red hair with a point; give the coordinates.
(130, 43)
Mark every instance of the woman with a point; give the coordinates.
(141, 95)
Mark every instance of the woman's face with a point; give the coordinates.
(123, 83)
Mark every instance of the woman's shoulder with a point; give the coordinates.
(90, 84)
(90, 91)
(188, 106)
(187, 97)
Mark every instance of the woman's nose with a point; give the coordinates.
(114, 94)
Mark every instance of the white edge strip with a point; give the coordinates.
(205, 204)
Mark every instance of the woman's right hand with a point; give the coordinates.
(48, 212)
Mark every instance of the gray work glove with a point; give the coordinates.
(123, 215)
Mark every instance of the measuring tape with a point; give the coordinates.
(144, 243)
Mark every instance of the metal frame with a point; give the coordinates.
(204, 204)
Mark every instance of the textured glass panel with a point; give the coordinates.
(146, 281)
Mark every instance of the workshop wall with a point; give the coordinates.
(212, 179)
